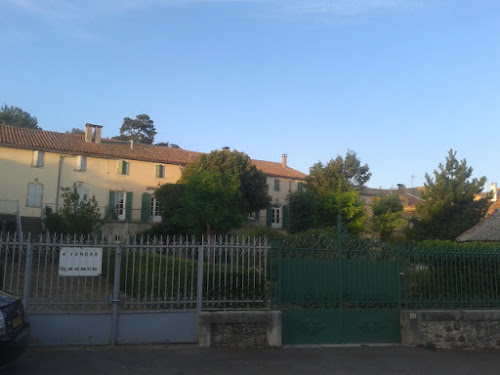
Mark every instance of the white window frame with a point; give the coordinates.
(34, 198)
(120, 205)
(82, 191)
(81, 163)
(37, 159)
(154, 210)
(276, 217)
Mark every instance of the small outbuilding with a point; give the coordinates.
(487, 230)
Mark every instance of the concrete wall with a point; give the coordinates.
(451, 329)
(239, 329)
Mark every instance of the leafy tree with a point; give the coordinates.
(252, 182)
(339, 174)
(167, 144)
(15, 116)
(140, 130)
(308, 210)
(331, 192)
(302, 211)
(450, 206)
(78, 215)
(345, 204)
(212, 202)
(171, 200)
(207, 202)
(76, 131)
(387, 212)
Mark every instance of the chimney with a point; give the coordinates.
(131, 144)
(93, 133)
(283, 160)
(402, 187)
(493, 188)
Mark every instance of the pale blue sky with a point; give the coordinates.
(398, 81)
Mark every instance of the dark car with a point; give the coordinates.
(14, 329)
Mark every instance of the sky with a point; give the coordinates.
(400, 82)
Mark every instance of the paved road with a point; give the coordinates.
(178, 360)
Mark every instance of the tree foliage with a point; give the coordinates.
(214, 195)
(140, 130)
(386, 215)
(253, 189)
(339, 174)
(302, 211)
(309, 210)
(331, 193)
(450, 206)
(15, 116)
(78, 215)
(212, 202)
(76, 131)
(167, 144)
(207, 202)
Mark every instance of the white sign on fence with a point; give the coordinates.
(80, 261)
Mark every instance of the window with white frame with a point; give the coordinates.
(275, 217)
(154, 210)
(120, 204)
(81, 163)
(35, 192)
(37, 158)
(82, 192)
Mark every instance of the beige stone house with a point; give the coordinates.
(36, 164)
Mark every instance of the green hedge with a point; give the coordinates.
(148, 276)
(451, 275)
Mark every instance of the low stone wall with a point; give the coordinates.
(450, 329)
(239, 329)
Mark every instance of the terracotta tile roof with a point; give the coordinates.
(276, 169)
(495, 206)
(15, 137)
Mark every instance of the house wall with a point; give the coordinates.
(100, 176)
(279, 197)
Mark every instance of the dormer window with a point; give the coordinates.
(37, 159)
(123, 167)
(81, 163)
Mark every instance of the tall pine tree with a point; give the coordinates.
(450, 206)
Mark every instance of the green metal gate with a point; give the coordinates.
(333, 296)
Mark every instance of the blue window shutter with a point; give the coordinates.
(269, 216)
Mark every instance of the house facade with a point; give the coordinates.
(36, 164)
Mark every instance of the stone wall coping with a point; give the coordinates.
(455, 315)
(218, 317)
